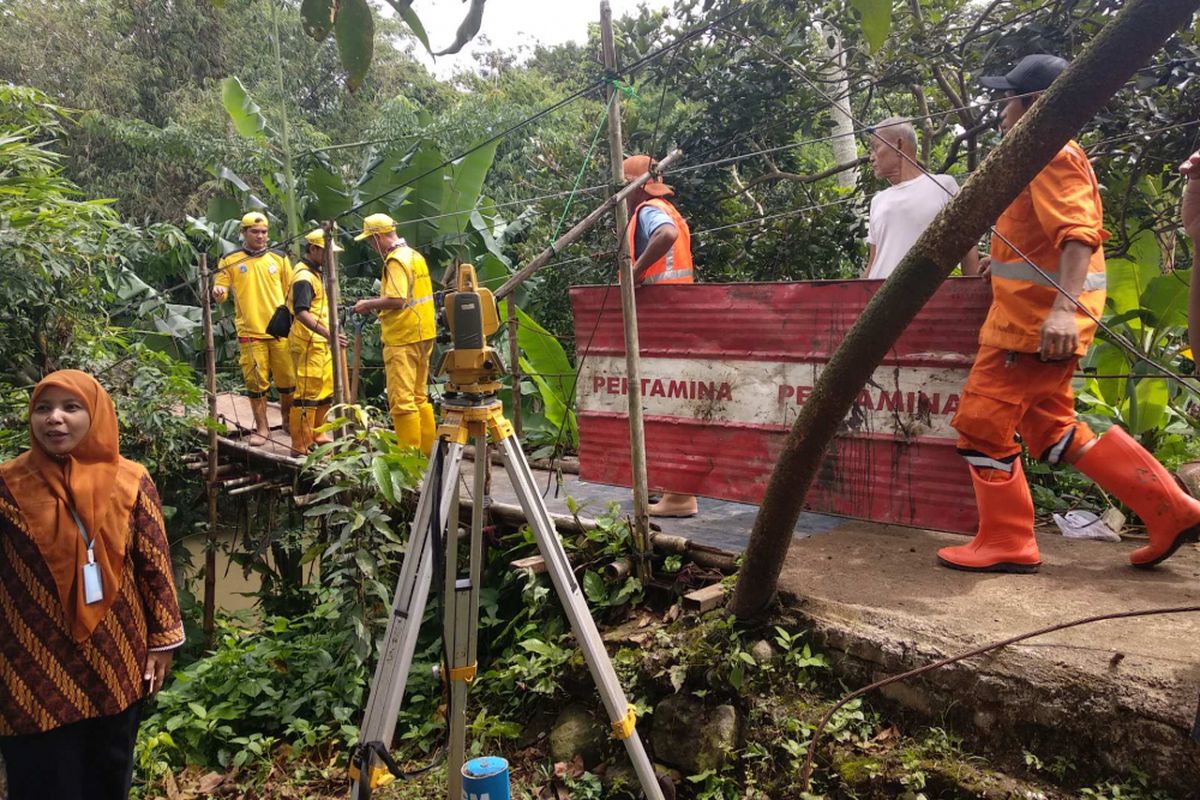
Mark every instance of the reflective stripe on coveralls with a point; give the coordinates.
(406, 276)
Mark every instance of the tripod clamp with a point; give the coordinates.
(385, 774)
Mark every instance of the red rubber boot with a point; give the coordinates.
(1125, 469)
(1005, 541)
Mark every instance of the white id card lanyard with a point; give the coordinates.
(93, 585)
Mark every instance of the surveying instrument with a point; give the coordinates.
(471, 412)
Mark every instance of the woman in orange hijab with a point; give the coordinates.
(88, 614)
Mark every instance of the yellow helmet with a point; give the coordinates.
(255, 218)
(376, 223)
(317, 238)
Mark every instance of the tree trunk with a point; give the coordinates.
(845, 149)
(1125, 44)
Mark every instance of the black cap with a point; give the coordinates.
(1031, 74)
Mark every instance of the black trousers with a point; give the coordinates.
(87, 760)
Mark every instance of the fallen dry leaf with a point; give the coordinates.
(210, 783)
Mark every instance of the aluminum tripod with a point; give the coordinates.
(462, 421)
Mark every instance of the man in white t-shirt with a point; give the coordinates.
(900, 213)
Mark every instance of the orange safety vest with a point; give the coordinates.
(1061, 204)
(676, 265)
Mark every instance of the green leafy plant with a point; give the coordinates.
(296, 680)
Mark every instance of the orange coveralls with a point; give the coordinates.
(1010, 390)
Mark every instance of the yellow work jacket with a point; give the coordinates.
(260, 282)
(676, 265)
(1061, 204)
(309, 273)
(406, 276)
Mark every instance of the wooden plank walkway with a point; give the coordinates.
(720, 524)
(234, 410)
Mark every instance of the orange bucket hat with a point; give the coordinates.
(637, 166)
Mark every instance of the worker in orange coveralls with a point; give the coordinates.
(1029, 345)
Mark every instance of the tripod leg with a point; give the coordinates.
(582, 624)
(462, 625)
(408, 606)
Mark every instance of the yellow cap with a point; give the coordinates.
(254, 218)
(317, 238)
(376, 223)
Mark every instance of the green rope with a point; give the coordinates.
(625, 88)
(582, 169)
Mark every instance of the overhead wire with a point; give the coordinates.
(162, 299)
(1117, 338)
(595, 85)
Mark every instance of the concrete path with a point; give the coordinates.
(719, 524)
(1109, 696)
(1115, 694)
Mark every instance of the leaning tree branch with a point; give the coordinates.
(985, 122)
(776, 174)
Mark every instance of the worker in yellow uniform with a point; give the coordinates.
(260, 278)
(309, 345)
(1048, 287)
(406, 316)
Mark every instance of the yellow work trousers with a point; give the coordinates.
(314, 371)
(265, 361)
(407, 369)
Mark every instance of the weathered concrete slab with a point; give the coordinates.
(719, 523)
(1111, 696)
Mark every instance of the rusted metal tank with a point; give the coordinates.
(726, 367)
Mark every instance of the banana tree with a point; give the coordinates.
(353, 28)
(1148, 308)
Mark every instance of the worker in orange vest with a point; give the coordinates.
(1031, 341)
(661, 246)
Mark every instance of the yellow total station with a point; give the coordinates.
(471, 366)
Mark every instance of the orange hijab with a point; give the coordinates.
(103, 488)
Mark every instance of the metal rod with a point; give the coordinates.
(214, 468)
(633, 369)
(580, 228)
(254, 487)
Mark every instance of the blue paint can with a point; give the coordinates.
(486, 778)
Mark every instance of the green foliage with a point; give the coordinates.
(1137, 787)
(76, 253)
(353, 26)
(362, 512)
(245, 114)
(876, 20)
(1148, 309)
(298, 682)
(354, 30)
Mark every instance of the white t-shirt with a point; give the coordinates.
(900, 214)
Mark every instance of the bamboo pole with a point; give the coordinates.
(333, 299)
(214, 467)
(514, 356)
(633, 368)
(356, 365)
(580, 228)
